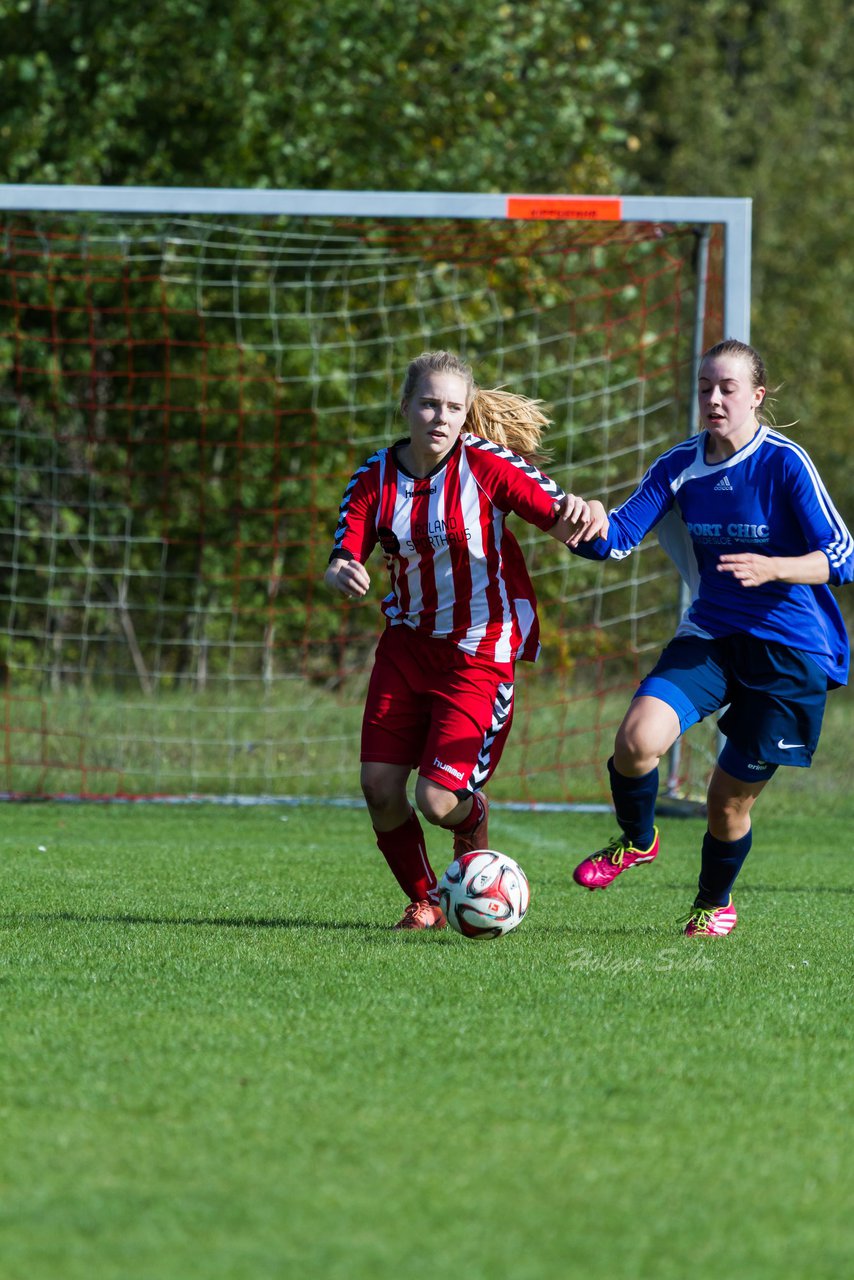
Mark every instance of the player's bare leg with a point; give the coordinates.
(401, 842)
(648, 731)
(729, 802)
(384, 789)
(726, 845)
(468, 819)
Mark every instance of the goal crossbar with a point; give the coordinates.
(734, 214)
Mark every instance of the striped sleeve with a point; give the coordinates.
(356, 532)
(823, 526)
(514, 483)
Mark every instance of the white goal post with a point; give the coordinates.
(733, 214)
(187, 377)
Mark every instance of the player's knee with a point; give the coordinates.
(431, 814)
(434, 803)
(635, 749)
(649, 729)
(381, 791)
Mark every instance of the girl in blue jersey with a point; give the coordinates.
(753, 530)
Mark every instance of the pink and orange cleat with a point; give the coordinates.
(600, 869)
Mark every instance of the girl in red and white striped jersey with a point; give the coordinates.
(461, 609)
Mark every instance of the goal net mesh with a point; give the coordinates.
(182, 401)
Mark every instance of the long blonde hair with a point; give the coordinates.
(513, 421)
(516, 422)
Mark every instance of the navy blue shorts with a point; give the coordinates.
(774, 696)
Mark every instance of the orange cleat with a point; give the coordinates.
(422, 915)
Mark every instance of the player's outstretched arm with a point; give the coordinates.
(348, 577)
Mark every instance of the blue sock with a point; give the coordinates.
(721, 862)
(634, 804)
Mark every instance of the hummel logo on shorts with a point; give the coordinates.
(724, 483)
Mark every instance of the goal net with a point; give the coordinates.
(182, 401)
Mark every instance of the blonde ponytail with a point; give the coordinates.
(515, 422)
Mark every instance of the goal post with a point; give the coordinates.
(732, 214)
(187, 379)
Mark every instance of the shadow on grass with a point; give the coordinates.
(445, 937)
(742, 889)
(795, 888)
(220, 922)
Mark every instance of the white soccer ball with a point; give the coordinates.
(484, 894)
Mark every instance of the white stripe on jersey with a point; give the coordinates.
(413, 567)
(470, 505)
(839, 550)
(504, 645)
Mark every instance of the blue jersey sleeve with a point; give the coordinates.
(632, 520)
(823, 527)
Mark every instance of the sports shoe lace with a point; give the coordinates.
(614, 851)
(700, 916)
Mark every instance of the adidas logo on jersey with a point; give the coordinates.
(723, 484)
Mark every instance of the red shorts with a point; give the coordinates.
(436, 709)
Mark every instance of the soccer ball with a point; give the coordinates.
(484, 894)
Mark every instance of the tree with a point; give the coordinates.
(446, 96)
(761, 106)
(709, 98)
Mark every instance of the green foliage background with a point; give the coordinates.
(699, 97)
(688, 98)
(712, 98)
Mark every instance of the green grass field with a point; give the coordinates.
(219, 1062)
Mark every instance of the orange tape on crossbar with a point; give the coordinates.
(594, 209)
